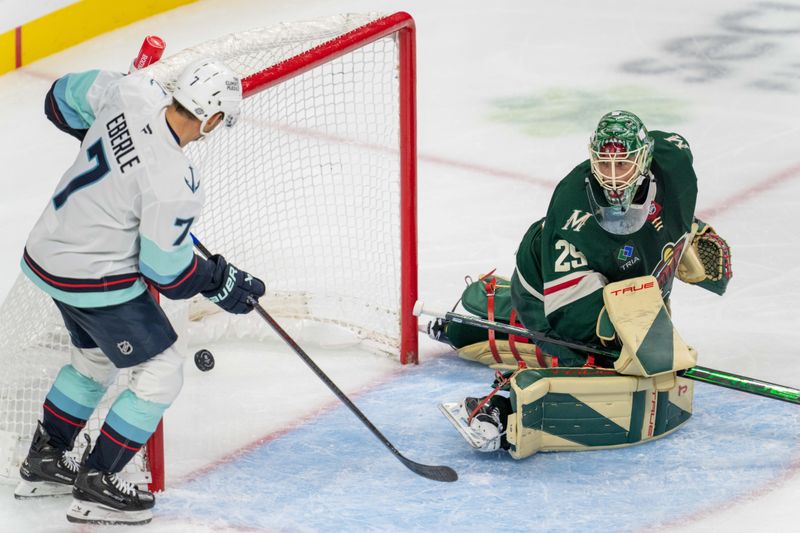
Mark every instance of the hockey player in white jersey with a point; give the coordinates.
(120, 216)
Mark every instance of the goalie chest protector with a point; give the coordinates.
(571, 409)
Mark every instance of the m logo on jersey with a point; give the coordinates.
(678, 141)
(193, 186)
(576, 221)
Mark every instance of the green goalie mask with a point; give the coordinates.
(620, 153)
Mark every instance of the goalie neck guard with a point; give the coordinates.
(623, 220)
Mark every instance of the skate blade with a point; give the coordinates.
(84, 512)
(41, 489)
(455, 414)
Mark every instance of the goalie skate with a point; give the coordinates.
(481, 435)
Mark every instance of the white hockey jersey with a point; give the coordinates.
(125, 206)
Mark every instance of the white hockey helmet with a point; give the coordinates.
(206, 87)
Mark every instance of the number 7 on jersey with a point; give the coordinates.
(97, 153)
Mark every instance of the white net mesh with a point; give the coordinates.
(303, 192)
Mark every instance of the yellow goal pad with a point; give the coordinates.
(574, 409)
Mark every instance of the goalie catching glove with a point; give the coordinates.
(234, 287)
(707, 262)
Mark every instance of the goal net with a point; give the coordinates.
(312, 191)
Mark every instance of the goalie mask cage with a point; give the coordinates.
(313, 190)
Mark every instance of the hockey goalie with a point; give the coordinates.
(596, 271)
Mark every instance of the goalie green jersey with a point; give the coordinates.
(566, 259)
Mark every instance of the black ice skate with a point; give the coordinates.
(106, 498)
(47, 470)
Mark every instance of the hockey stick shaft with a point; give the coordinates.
(511, 330)
(697, 373)
(436, 473)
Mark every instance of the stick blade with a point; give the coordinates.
(435, 473)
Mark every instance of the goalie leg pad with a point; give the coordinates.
(573, 409)
(481, 352)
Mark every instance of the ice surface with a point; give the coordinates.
(508, 94)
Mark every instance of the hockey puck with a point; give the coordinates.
(204, 360)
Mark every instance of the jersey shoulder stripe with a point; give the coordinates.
(70, 93)
(528, 287)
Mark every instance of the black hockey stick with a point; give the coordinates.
(436, 473)
(697, 373)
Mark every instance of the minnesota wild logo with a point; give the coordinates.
(665, 270)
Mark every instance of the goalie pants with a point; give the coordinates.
(155, 377)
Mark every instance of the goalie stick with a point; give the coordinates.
(435, 473)
(697, 373)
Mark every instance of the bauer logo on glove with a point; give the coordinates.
(230, 283)
(234, 287)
